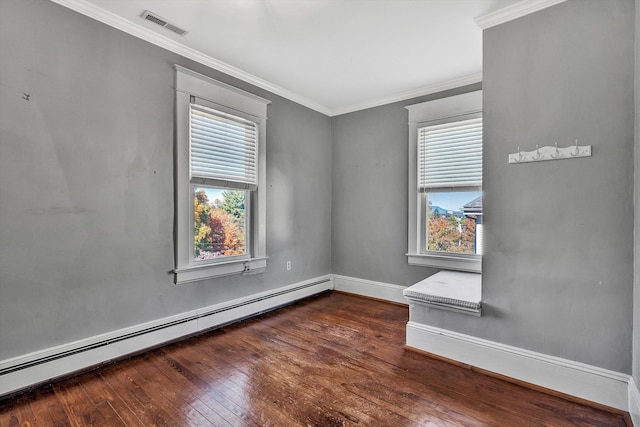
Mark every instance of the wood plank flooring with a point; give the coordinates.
(333, 360)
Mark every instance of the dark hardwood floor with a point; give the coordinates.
(333, 360)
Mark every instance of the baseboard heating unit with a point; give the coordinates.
(30, 370)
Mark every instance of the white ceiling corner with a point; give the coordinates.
(333, 56)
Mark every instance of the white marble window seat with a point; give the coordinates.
(449, 290)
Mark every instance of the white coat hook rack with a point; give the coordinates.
(551, 153)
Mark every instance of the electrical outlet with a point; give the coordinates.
(288, 265)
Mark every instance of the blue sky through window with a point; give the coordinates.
(212, 193)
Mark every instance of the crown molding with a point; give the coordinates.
(517, 10)
(425, 90)
(104, 16)
(150, 36)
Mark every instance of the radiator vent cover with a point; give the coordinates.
(152, 17)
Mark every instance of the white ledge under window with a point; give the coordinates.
(447, 261)
(194, 273)
(448, 290)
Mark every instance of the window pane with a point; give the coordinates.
(454, 222)
(219, 226)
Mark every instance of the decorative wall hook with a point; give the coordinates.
(537, 156)
(550, 153)
(576, 151)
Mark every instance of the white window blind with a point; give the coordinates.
(450, 155)
(223, 148)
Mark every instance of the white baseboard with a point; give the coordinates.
(42, 366)
(566, 376)
(369, 288)
(634, 402)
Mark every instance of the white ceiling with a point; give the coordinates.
(332, 55)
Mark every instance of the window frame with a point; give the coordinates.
(191, 86)
(440, 111)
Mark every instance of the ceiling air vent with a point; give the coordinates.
(150, 16)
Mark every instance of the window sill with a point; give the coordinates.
(472, 264)
(194, 273)
(449, 290)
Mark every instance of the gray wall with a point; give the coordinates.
(86, 183)
(370, 193)
(636, 206)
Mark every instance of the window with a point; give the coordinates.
(220, 196)
(219, 223)
(445, 183)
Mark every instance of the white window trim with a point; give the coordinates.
(228, 99)
(433, 112)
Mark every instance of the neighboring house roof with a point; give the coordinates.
(473, 207)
